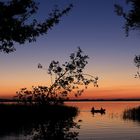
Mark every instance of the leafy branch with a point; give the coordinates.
(18, 26)
(68, 77)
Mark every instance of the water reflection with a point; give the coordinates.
(132, 114)
(65, 126)
(109, 126)
(55, 129)
(48, 127)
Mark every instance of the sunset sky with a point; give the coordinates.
(94, 26)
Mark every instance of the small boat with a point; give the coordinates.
(102, 111)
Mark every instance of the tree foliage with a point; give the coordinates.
(132, 22)
(15, 26)
(68, 77)
(131, 15)
(137, 64)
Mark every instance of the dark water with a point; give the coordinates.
(109, 126)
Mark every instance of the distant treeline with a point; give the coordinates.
(129, 99)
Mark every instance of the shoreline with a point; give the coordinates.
(80, 100)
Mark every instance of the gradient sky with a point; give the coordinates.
(92, 25)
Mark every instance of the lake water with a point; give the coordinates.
(109, 126)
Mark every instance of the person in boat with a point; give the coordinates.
(102, 109)
(92, 109)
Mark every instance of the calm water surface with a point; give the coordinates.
(108, 126)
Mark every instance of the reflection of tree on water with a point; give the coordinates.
(132, 114)
(55, 130)
(57, 123)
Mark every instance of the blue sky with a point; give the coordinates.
(92, 25)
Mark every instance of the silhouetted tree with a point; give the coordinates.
(131, 15)
(68, 77)
(15, 26)
(132, 22)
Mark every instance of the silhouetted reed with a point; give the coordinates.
(132, 114)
